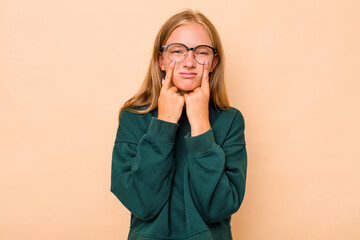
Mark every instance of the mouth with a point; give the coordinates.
(188, 74)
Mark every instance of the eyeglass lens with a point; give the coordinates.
(179, 52)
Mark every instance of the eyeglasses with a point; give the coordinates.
(179, 51)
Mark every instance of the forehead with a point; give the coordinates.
(191, 34)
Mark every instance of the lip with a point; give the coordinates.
(188, 74)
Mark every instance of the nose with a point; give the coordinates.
(189, 60)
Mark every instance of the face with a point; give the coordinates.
(187, 74)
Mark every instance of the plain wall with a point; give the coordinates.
(292, 69)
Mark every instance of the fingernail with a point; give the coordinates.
(162, 81)
(206, 62)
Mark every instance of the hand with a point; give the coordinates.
(197, 105)
(170, 103)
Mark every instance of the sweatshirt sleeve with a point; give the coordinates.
(217, 174)
(142, 170)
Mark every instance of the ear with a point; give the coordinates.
(161, 62)
(214, 63)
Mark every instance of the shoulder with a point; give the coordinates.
(226, 123)
(231, 116)
(130, 115)
(133, 125)
(238, 116)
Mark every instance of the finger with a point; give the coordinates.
(169, 74)
(162, 81)
(205, 77)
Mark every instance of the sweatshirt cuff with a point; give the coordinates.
(162, 130)
(200, 145)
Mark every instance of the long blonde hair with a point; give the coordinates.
(148, 94)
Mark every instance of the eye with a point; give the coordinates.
(203, 53)
(176, 51)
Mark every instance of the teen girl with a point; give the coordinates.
(179, 160)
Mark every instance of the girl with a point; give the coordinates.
(179, 160)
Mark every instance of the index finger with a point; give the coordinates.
(169, 74)
(205, 77)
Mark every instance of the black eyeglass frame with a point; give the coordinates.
(165, 47)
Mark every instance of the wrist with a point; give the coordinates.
(167, 119)
(200, 128)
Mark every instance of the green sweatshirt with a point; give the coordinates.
(176, 186)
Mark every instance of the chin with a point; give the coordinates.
(186, 87)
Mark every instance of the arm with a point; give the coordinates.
(218, 174)
(142, 170)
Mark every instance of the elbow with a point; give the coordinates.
(143, 210)
(214, 217)
(144, 215)
(208, 219)
(223, 211)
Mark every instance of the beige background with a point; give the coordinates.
(68, 66)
